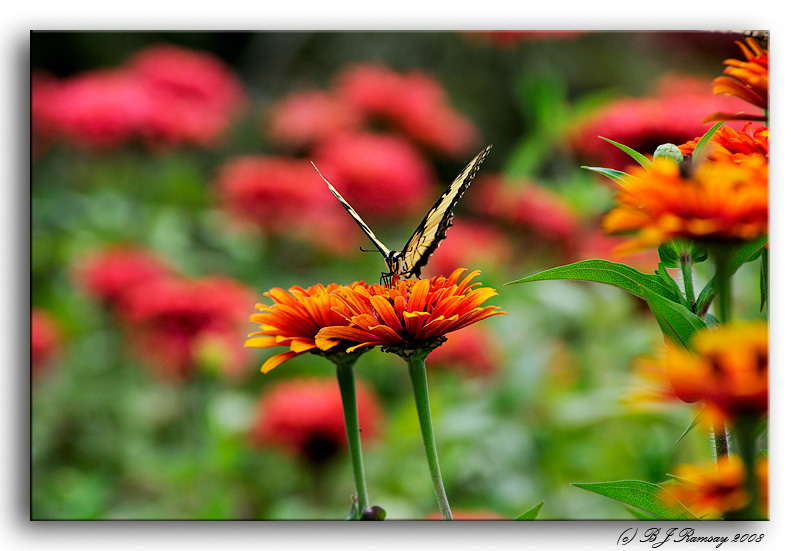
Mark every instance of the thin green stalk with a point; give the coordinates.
(687, 273)
(419, 381)
(745, 432)
(724, 299)
(347, 387)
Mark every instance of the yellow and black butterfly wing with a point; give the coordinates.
(384, 250)
(431, 231)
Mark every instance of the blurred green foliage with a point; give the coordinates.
(110, 441)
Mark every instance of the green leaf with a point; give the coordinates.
(644, 495)
(746, 253)
(609, 273)
(638, 157)
(641, 515)
(698, 155)
(692, 425)
(531, 514)
(616, 175)
(698, 253)
(764, 278)
(664, 276)
(669, 255)
(677, 322)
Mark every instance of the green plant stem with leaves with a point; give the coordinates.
(745, 432)
(347, 387)
(419, 381)
(687, 274)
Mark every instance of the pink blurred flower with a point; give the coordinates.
(285, 196)
(303, 119)
(45, 341)
(177, 323)
(594, 243)
(107, 274)
(471, 351)
(470, 244)
(414, 103)
(673, 113)
(164, 95)
(195, 95)
(381, 176)
(304, 416)
(526, 206)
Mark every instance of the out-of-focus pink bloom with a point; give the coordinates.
(525, 206)
(165, 96)
(673, 113)
(45, 341)
(471, 351)
(382, 176)
(470, 244)
(414, 103)
(107, 275)
(304, 119)
(285, 196)
(176, 323)
(305, 417)
(510, 39)
(195, 95)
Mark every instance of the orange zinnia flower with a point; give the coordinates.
(730, 145)
(413, 315)
(294, 321)
(712, 489)
(748, 80)
(721, 201)
(728, 369)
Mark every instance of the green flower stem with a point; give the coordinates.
(688, 276)
(347, 387)
(723, 276)
(419, 380)
(745, 432)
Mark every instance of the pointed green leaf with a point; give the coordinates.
(669, 255)
(641, 515)
(616, 175)
(609, 273)
(638, 157)
(764, 278)
(664, 276)
(676, 321)
(692, 425)
(641, 494)
(746, 253)
(698, 155)
(531, 514)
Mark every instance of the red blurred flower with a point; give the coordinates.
(510, 39)
(594, 243)
(195, 95)
(414, 103)
(523, 205)
(108, 274)
(304, 416)
(471, 351)
(673, 113)
(177, 324)
(45, 341)
(304, 119)
(469, 244)
(164, 95)
(284, 196)
(380, 175)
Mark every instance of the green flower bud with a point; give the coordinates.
(669, 151)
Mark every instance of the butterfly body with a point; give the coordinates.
(409, 261)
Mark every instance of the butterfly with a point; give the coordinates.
(430, 232)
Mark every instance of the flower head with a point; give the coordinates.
(176, 323)
(728, 369)
(721, 201)
(304, 119)
(414, 103)
(748, 80)
(413, 315)
(304, 416)
(295, 319)
(735, 146)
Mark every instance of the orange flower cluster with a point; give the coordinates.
(718, 487)
(748, 80)
(719, 202)
(728, 369)
(294, 320)
(415, 314)
(730, 145)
